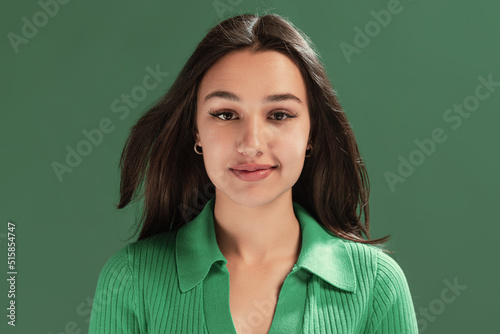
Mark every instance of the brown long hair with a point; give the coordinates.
(158, 161)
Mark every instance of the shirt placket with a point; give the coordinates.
(289, 313)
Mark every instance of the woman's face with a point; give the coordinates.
(252, 109)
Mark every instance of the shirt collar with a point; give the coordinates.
(322, 253)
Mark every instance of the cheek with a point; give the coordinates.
(217, 149)
(218, 145)
(292, 155)
(293, 143)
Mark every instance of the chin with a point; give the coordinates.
(253, 198)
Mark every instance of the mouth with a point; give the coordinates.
(251, 167)
(252, 175)
(252, 170)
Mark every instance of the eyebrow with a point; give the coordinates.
(268, 99)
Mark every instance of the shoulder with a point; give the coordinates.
(365, 258)
(389, 272)
(391, 302)
(157, 244)
(382, 281)
(147, 254)
(371, 262)
(388, 281)
(140, 255)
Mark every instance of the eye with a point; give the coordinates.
(223, 113)
(227, 115)
(284, 114)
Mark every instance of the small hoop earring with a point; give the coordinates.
(200, 153)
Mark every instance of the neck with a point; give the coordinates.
(258, 234)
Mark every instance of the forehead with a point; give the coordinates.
(253, 75)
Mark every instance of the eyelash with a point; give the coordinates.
(217, 114)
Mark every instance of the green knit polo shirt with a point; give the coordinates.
(178, 282)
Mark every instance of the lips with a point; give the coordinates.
(252, 172)
(251, 167)
(251, 176)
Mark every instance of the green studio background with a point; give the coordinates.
(402, 80)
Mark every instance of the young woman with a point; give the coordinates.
(279, 246)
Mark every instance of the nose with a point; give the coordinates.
(254, 136)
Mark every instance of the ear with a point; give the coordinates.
(197, 137)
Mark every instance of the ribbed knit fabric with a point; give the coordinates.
(158, 285)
